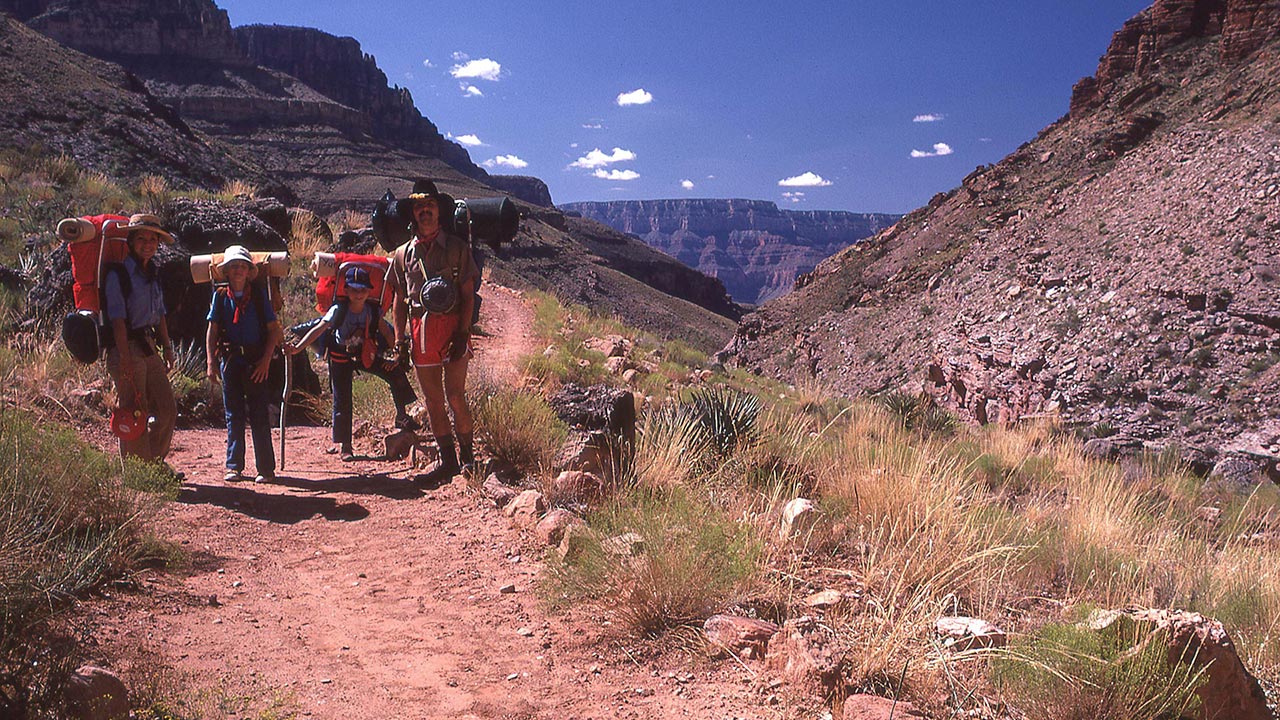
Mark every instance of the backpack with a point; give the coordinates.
(97, 245)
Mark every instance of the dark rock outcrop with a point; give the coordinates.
(529, 189)
(751, 246)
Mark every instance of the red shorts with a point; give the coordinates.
(431, 344)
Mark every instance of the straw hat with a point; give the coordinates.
(145, 221)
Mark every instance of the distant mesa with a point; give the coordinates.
(754, 248)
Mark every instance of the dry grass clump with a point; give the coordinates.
(518, 428)
(69, 519)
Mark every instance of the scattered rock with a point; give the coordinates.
(615, 365)
(507, 589)
(93, 693)
(742, 636)
(526, 508)
(597, 408)
(624, 545)
(576, 486)
(550, 529)
(575, 540)
(806, 655)
(398, 445)
(966, 633)
(874, 707)
(499, 492)
(797, 518)
(1236, 472)
(825, 599)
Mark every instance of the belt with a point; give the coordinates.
(252, 352)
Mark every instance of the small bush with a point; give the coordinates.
(695, 561)
(1068, 672)
(919, 412)
(519, 428)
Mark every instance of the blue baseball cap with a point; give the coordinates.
(358, 277)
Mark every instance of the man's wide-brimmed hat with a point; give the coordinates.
(424, 190)
(238, 253)
(145, 221)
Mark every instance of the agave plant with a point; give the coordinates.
(729, 418)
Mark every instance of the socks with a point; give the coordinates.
(466, 453)
(448, 456)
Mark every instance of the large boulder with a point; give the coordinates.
(874, 707)
(598, 408)
(1230, 690)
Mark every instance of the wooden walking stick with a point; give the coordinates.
(284, 402)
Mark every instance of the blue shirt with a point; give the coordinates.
(145, 305)
(349, 337)
(250, 330)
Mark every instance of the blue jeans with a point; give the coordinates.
(341, 376)
(239, 393)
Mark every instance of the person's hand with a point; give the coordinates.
(458, 345)
(261, 369)
(127, 394)
(168, 355)
(211, 372)
(291, 349)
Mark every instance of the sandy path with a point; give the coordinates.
(343, 591)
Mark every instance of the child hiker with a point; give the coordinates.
(243, 334)
(354, 325)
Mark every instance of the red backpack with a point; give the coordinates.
(96, 243)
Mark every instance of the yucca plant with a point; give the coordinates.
(729, 418)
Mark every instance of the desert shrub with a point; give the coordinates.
(727, 417)
(518, 428)
(1068, 672)
(70, 517)
(694, 560)
(918, 412)
(371, 399)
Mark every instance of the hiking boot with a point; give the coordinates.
(437, 476)
(405, 421)
(174, 472)
(233, 476)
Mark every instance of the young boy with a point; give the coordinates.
(244, 333)
(353, 346)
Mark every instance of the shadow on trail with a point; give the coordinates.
(284, 509)
(379, 484)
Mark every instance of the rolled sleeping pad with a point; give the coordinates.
(204, 268)
(76, 230)
(494, 220)
(326, 264)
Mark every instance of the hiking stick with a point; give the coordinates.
(284, 402)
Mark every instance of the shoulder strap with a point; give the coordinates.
(343, 305)
(126, 286)
(260, 304)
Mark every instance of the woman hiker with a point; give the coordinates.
(243, 334)
(434, 278)
(136, 313)
(355, 324)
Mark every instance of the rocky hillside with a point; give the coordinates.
(97, 114)
(1120, 269)
(751, 246)
(305, 117)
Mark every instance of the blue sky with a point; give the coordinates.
(835, 97)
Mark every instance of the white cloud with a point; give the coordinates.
(573, 145)
(510, 161)
(939, 149)
(616, 174)
(636, 97)
(808, 179)
(711, 177)
(596, 158)
(427, 63)
(592, 126)
(686, 184)
(469, 140)
(471, 91)
(459, 56)
(928, 117)
(794, 197)
(484, 68)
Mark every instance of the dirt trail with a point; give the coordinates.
(345, 592)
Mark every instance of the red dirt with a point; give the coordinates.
(344, 591)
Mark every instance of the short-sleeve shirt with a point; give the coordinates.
(439, 258)
(250, 330)
(349, 335)
(145, 305)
